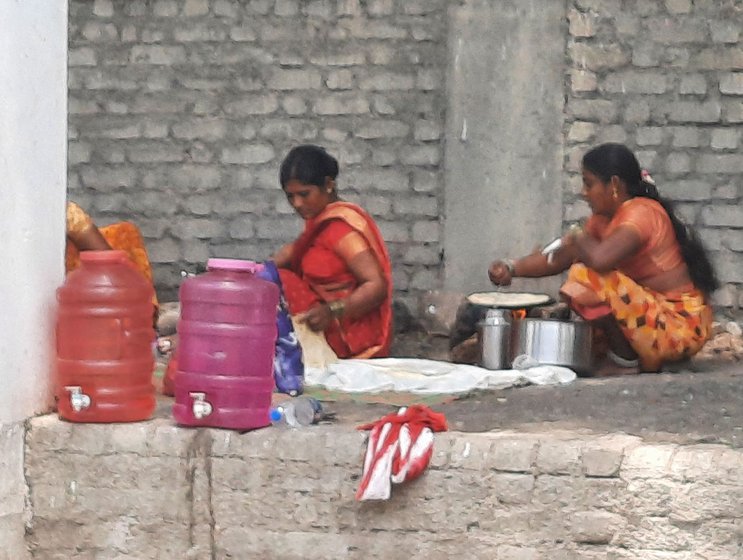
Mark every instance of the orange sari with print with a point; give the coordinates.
(660, 326)
(319, 274)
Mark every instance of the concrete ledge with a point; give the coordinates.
(13, 508)
(153, 490)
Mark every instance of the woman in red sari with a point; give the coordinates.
(336, 276)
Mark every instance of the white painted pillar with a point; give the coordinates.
(33, 154)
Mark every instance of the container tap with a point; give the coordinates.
(201, 407)
(78, 400)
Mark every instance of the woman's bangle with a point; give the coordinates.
(575, 230)
(510, 265)
(337, 307)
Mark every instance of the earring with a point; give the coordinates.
(616, 194)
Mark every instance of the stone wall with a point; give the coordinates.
(181, 111)
(152, 490)
(13, 506)
(666, 78)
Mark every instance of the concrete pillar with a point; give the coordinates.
(504, 135)
(33, 153)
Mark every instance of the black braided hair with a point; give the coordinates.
(607, 160)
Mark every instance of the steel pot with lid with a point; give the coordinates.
(553, 342)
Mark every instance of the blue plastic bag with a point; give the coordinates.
(288, 367)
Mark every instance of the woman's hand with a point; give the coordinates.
(89, 239)
(283, 257)
(500, 273)
(318, 317)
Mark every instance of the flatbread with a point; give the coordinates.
(508, 299)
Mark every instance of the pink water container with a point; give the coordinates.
(226, 340)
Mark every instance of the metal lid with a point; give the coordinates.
(495, 317)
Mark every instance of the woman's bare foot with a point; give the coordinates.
(607, 368)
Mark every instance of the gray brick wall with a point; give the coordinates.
(181, 111)
(666, 78)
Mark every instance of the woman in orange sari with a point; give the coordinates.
(337, 275)
(636, 272)
(84, 235)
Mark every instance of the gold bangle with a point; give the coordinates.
(337, 307)
(575, 230)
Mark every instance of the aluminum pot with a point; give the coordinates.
(553, 342)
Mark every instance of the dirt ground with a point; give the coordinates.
(701, 403)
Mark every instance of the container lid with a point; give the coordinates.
(495, 317)
(106, 256)
(238, 265)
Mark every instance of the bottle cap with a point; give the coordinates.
(238, 265)
(275, 415)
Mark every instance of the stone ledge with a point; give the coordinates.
(159, 491)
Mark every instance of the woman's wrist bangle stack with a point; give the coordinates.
(337, 307)
(510, 265)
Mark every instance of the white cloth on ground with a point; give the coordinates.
(413, 375)
(423, 376)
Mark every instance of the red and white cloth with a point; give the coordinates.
(399, 449)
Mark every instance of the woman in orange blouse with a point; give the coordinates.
(635, 271)
(336, 275)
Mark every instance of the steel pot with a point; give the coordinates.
(553, 342)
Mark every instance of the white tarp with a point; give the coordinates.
(414, 375)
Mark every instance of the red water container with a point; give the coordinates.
(104, 341)
(226, 340)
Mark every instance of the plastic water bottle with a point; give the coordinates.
(297, 412)
(227, 333)
(104, 341)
